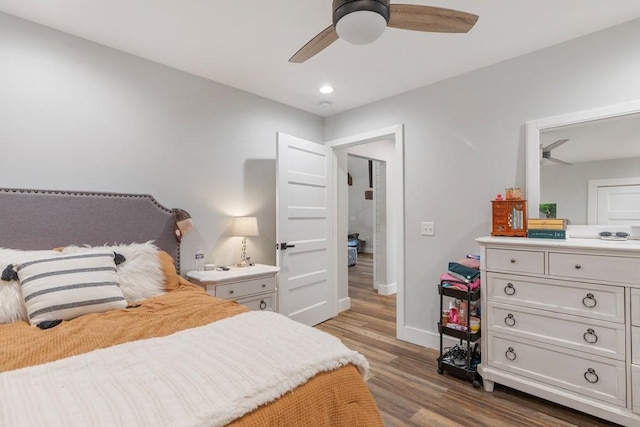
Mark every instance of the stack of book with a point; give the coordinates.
(547, 228)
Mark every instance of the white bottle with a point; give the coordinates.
(199, 260)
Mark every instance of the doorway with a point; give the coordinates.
(391, 141)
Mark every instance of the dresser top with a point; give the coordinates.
(569, 243)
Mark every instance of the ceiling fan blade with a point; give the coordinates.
(431, 19)
(560, 162)
(555, 144)
(315, 45)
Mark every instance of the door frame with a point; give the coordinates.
(395, 133)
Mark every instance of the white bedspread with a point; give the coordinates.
(209, 375)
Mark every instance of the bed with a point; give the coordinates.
(160, 352)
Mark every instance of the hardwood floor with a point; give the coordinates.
(404, 380)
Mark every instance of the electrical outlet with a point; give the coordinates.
(428, 229)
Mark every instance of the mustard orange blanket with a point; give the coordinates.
(336, 398)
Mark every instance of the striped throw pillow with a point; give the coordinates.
(65, 287)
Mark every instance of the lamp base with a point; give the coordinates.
(243, 263)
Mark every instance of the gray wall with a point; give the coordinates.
(76, 115)
(464, 143)
(360, 209)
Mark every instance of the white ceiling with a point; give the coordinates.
(246, 44)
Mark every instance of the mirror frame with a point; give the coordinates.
(532, 141)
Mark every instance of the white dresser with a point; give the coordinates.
(561, 320)
(253, 286)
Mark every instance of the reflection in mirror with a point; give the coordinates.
(601, 152)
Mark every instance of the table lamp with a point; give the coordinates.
(244, 226)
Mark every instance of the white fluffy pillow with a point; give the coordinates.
(140, 276)
(12, 308)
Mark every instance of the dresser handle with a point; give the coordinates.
(591, 376)
(509, 289)
(231, 291)
(263, 304)
(510, 320)
(578, 266)
(513, 260)
(264, 285)
(589, 301)
(511, 354)
(590, 336)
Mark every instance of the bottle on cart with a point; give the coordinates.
(463, 311)
(199, 260)
(453, 312)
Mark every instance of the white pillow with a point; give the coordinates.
(141, 276)
(66, 287)
(12, 308)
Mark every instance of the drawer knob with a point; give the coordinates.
(264, 285)
(578, 266)
(511, 354)
(513, 261)
(589, 301)
(591, 376)
(230, 291)
(590, 336)
(510, 320)
(509, 289)
(263, 304)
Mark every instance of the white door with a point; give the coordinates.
(615, 201)
(307, 291)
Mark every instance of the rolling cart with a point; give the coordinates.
(460, 360)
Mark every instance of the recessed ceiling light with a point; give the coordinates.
(325, 104)
(326, 89)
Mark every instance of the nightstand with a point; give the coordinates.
(253, 286)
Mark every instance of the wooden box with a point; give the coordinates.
(509, 218)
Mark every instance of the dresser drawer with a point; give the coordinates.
(241, 289)
(635, 345)
(515, 261)
(574, 298)
(587, 335)
(595, 267)
(635, 307)
(264, 302)
(635, 388)
(597, 377)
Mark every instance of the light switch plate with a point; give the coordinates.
(428, 229)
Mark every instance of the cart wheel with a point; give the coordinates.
(440, 371)
(476, 384)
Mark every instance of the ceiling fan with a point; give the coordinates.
(546, 151)
(363, 21)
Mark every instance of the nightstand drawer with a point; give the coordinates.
(515, 261)
(594, 267)
(242, 289)
(259, 302)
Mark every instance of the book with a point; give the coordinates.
(547, 226)
(541, 233)
(545, 222)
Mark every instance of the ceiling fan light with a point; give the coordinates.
(361, 27)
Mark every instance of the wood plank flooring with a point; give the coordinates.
(404, 380)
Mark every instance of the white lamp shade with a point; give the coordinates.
(245, 226)
(361, 27)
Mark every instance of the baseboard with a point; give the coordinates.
(344, 304)
(424, 338)
(389, 289)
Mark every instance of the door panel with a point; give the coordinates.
(307, 289)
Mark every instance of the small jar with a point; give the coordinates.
(445, 317)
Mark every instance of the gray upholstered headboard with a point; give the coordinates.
(44, 219)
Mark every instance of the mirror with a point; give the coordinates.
(571, 157)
